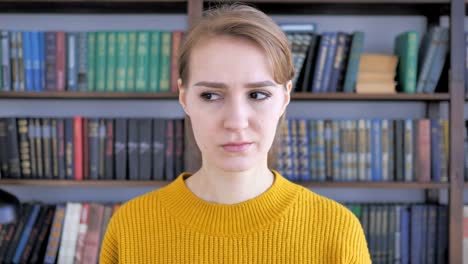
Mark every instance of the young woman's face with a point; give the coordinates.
(233, 103)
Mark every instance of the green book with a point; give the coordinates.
(406, 48)
(101, 61)
(132, 42)
(357, 45)
(165, 70)
(122, 61)
(111, 61)
(155, 44)
(91, 69)
(142, 61)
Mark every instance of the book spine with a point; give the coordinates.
(40, 243)
(78, 148)
(51, 53)
(336, 150)
(159, 133)
(61, 148)
(28, 62)
(321, 153)
(424, 151)
(329, 59)
(21, 84)
(376, 150)
(155, 58)
(122, 61)
(142, 61)
(165, 63)
(408, 150)
(55, 235)
(67, 249)
(13, 56)
(101, 61)
(438, 62)
(14, 170)
(69, 149)
(133, 149)
(303, 149)
(32, 146)
(120, 149)
(102, 148)
(82, 61)
(46, 146)
(60, 57)
(111, 61)
(144, 148)
(357, 46)
(169, 165)
(35, 60)
(39, 147)
(5, 85)
(91, 61)
(42, 67)
(24, 147)
(26, 232)
(427, 59)
(54, 139)
(320, 63)
(109, 158)
(131, 67)
(294, 151)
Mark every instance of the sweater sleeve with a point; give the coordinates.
(110, 244)
(359, 252)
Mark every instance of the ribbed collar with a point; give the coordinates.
(228, 219)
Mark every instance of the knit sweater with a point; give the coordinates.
(285, 224)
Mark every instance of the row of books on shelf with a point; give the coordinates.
(73, 232)
(364, 150)
(404, 233)
(336, 62)
(103, 61)
(56, 233)
(82, 148)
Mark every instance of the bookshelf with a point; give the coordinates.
(192, 9)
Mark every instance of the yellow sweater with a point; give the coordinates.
(286, 224)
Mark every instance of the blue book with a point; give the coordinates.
(35, 59)
(405, 235)
(339, 61)
(320, 125)
(438, 61)
(466, 62)
(27, 61)
(329, 59)
(427, 51)
(416, 233)
(26, 233)
(357, 47)
(435, 155)
(313, 149)
(376, 149)
(72, 68)
(42, 68)
(303, 147)
(336, 164)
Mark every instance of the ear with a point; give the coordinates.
(182, 95)
(287, 96)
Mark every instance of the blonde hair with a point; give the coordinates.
(236, 20)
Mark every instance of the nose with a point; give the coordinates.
(236, 114)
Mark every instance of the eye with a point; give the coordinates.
(210, 96)
(259, 95)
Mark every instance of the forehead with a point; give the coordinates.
(226, 58)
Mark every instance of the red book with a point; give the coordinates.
(176, 40)
(423, 162)
(78, 141)
(91, 245)
(60, 61)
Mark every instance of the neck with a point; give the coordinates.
(224, 187)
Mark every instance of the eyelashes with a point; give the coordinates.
(254, 95)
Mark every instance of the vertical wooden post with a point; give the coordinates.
(457, 101)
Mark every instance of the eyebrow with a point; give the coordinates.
(223, 85)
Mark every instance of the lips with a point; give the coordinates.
(237, 146)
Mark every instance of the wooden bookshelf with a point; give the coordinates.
(158, 184)
(172, 95)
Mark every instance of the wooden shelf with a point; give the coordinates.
(172, 95)
(114, 183)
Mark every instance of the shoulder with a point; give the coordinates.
(326, 210)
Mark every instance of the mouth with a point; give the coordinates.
(237, 146)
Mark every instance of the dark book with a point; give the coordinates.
(159, 135)
(399, 151)
(85, 149)
(10, 233)
(13, 152)
(133, 156)
(50, 63)
(169, 160)
(102, 148)
(24, 149)
(109, 151)
(120, 149)
(343, 65)
(54, 141)
(179, 146)
(442, 234)
(39, 247)
(32, 240)
(6, 231)
(46, 146)
(144, 148)
(28, 226)
(69, 149)
(93, 148)
(305, 78)
(32, 147)
(39, 160)
(61, 148)
(4, 150)
(18, 232)
(338, 61)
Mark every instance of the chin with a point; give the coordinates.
(237, 165)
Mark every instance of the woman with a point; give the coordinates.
(235, 82)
